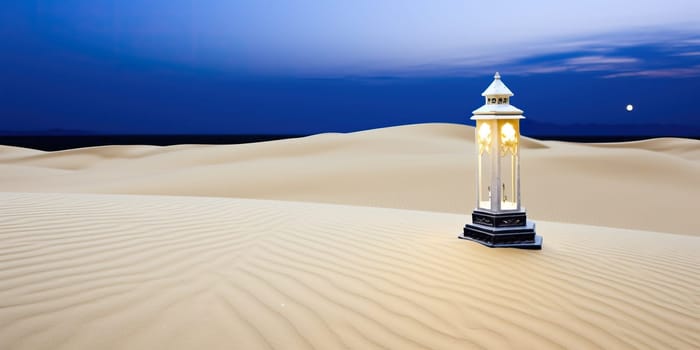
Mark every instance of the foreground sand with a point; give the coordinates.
(94, 255)
(145, 272)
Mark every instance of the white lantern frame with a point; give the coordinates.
(499, 219)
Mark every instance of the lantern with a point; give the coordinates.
(499, 219)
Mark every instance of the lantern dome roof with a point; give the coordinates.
(497, 104)
(497, 88)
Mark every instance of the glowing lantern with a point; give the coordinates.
(499, 220)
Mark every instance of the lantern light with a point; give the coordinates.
(484, 138)
(509, 139)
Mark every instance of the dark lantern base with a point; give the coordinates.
(502, 230)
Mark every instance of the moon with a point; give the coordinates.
(629, 108)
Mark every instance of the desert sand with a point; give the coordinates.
(346, 241)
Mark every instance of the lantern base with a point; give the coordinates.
(521, 236)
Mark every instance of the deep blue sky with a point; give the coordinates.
(255, 66)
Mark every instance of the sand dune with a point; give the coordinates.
(346, 241)
(82, 271)
(648, 185)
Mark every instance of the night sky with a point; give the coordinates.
(302, 67)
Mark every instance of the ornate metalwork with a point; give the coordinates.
(511, 221)
(481, 220)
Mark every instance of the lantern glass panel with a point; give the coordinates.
(509, 139)
(486, 139)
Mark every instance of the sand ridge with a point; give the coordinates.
(85, 271)
(646, 185)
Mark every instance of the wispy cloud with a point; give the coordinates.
(547, 69)
(650, 56)
(600, 60)
(660, 73)
(612, 55)
(598, 63)
(690, 42)
(585, 63)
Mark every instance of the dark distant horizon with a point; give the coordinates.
(531, 128)
(126, 68)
